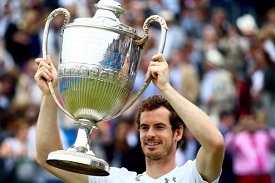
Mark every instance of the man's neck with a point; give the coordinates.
(158, 168)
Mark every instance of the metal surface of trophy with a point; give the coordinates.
(99, 60)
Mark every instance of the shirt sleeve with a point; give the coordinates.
(198, 176)
(117, 175)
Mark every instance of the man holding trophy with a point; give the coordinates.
(159, 136)
(99, 60)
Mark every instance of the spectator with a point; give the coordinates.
(250, 143)
(183, 74)
(227, 120)
(124, 151)
(5, 17)
(15, 151)
(208, 41)
(176, 37)
(220, 22)
(8, 83)
(189, 150)
(218, 92)
(7, 118)
(139, 82)
(266, 93)
(267, 36)
(270, 15)
(233, 47)
(193, 19)
(6, 61)
(22, 40)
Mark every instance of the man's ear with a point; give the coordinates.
(179, 133)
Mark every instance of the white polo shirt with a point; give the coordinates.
(187, 173)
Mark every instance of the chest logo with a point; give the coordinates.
(138, 177)
(170, 180)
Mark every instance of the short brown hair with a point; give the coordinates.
(155, 102)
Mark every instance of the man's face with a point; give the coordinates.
(157, 139)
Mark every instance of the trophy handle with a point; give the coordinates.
(59, 11)
(142, 42)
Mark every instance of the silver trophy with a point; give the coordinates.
(99, 59)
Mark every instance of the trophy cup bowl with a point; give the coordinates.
(99, 60)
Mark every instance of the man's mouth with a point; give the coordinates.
(152, 143)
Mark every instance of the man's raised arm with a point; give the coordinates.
(47, 130)
(210, 156)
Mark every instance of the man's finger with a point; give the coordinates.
(46, 73)
(44, 64)
(148, 76)
(42, 74)
(49, 60)
(38, 60)
(158, 58)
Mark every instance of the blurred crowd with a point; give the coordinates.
(221, 55)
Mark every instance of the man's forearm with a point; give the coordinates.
(47, 131)
(210, 156)
(198, 122)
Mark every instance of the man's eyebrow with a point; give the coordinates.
(162, 125)
(142, 124)
(156, 124)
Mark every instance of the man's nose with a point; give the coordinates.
(150, 132)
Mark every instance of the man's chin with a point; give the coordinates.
(153, 156)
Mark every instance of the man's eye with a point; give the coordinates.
(160, 127)
(144, 128)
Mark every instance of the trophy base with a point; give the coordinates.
(78, 162)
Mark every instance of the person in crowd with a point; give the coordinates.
(188, 150)
(176, 37)
(233, 47)
(15, 151)
(141, 74)
(263, 83)
(124, 149)
(227, 120)
(250, 143)
(161, 122)
(22, 39)
(218, 90)
(208, 41)
(183, 74)
(7, 119)
(8, 84)
(193, 18)
(6, 62)
(219, 21)
(270, 16)
(267, 37)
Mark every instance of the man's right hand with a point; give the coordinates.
(46, 72)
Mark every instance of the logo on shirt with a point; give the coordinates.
(173, 180)
(138, 177)
(170, 180)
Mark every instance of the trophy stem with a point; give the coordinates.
(81, 143)
(79, 158)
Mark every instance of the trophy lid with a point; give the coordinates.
(106, 17)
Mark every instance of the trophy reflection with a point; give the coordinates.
(99, 59)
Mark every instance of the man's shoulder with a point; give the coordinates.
(184, 173)
(189, 173)
(117, 175)
(124, 171)
(189, 166)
